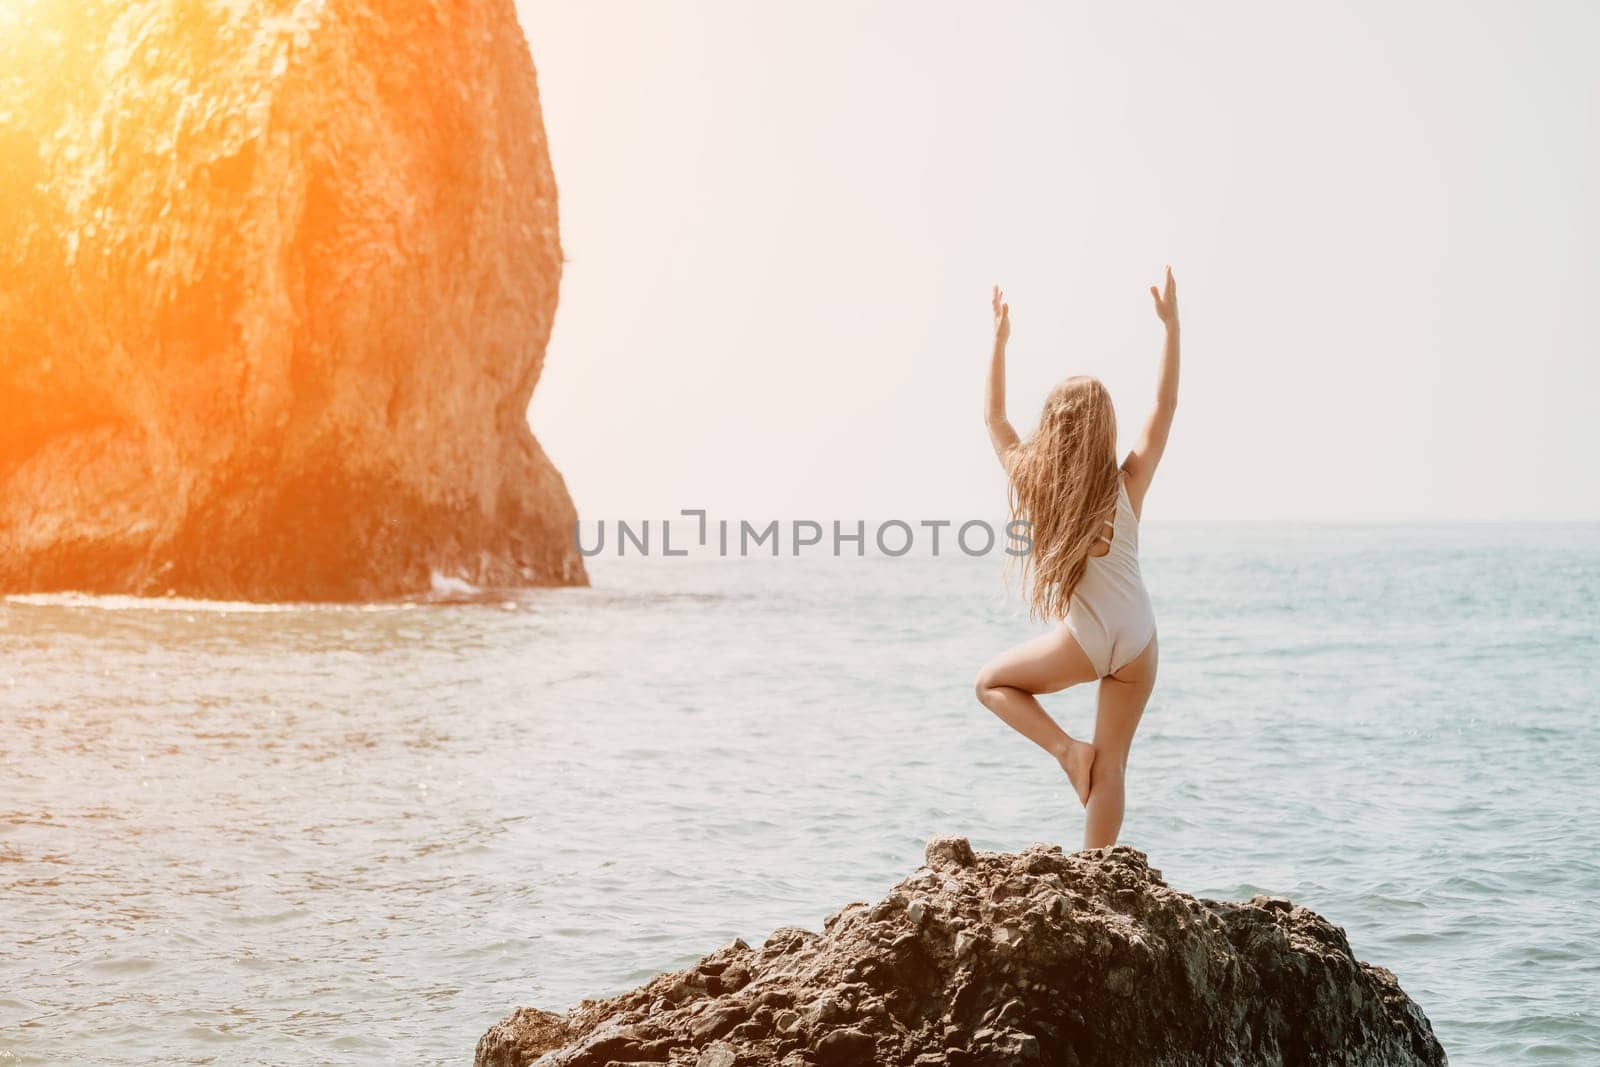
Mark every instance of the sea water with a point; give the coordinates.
(233, 833)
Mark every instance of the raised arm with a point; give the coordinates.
(1000, 430)
(1146, 455)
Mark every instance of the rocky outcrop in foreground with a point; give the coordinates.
(991, 958)
(276, 280)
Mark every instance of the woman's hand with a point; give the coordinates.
(994, 404)
(1166, 302)
(1152, 444)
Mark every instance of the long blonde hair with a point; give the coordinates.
(1064, 484)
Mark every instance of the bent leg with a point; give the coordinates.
(1122, 700)
(1045, 664)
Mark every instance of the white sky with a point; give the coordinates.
(782, 221)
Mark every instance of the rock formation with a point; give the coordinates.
(276, 279)
(990, 958)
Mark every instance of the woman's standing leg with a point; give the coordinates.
(1045, 664)
(1122, 700)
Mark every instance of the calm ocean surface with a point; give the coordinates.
(239, 834)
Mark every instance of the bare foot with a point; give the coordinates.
(1078, 761)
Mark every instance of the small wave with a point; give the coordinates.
(122, 602)
(448, 585)
(191, 605)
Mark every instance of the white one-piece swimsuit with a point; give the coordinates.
(1110, 612)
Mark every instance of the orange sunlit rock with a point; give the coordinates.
(276, 281)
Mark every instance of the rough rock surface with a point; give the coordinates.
(992, 958)
(276, 278)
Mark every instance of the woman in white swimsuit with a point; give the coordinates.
(1083, 510)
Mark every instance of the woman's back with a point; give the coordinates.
(1110, 612)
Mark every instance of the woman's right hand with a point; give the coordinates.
(1002, 317)
(1166, 299)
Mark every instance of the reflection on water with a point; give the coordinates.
(346, 834)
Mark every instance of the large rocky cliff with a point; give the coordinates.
(276, 280)
(991, 958)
